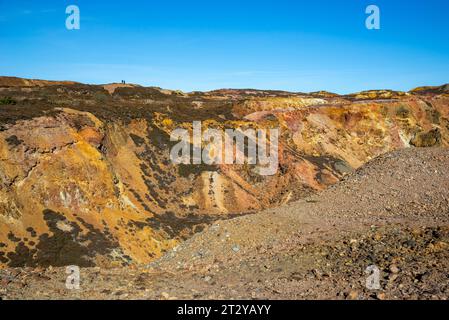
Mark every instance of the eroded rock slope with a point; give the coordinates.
(86, 179)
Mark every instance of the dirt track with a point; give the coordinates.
(393, 213)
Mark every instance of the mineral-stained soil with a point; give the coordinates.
(86, 180)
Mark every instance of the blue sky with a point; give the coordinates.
(204, 45)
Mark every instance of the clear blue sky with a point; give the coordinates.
(202, 45)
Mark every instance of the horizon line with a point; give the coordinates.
(224, 88)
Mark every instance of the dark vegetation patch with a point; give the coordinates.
(250, 93)
(155, 195)
(7, 101)
(185, 170)
(137, 224)
(101, 97)
(183, 227)
(159, 138)
(337, 166)
(139, 199)
(182, 111)
(25, 110)
(3, 259)
(402, 112)
(431, 90)
(427, 139)
(138, 141)
(433, 115)
(80, 122)
(31, 231)
(124, 105)
(181, 105)
(157, 173)
(140, 93)
(63, 248)
(12, 237)
(14, 141)
(23, 256)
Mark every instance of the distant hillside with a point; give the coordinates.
(20, 82)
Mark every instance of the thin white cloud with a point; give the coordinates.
(253, 73)
(47, 10)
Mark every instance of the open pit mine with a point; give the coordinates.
(86, 178)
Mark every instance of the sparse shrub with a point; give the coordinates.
(434, 116)
(7, 101)
(402, 112)
(427, 139)
(100, 97)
